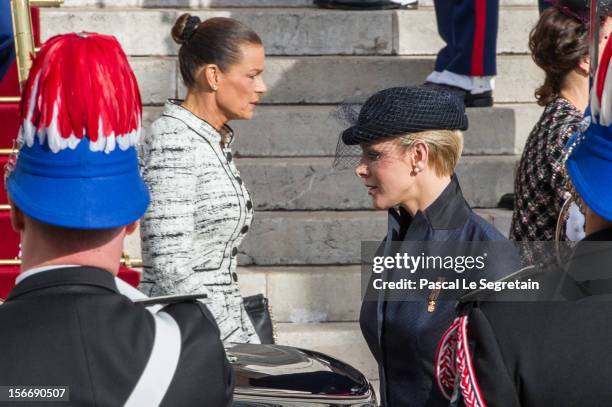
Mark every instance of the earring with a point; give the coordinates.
(214, 87)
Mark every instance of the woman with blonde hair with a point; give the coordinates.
(410, 140)
(200, 208)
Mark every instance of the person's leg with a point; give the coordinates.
(469, 27)
(444, 19)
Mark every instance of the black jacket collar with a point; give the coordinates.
(448, 211)
(89, 276)
(588, 271)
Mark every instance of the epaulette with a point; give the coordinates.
(170, 299)
(481, 294)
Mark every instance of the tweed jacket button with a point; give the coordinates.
(244, 229)
(239, 180)
(234, 251)
(249, 205)
(235, 277)
(229, 156)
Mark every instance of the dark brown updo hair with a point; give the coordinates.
(214, 41)
(558, 42)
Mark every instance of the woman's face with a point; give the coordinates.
(387, 172)
(241, 85)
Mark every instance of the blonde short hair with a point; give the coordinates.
(445, 147)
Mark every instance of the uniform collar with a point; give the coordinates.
(173, 108)
(87, 276)
(23, 275)
(588, 272)
(448, 211)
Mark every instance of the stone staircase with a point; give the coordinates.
(303, 249)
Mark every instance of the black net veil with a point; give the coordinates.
(347, 157)
(391, 113)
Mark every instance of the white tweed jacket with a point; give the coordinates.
(199, 214)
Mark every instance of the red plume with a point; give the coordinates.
(81, 85)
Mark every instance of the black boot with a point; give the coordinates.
(484, 99)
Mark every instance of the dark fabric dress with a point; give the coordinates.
(539, 187)
(403, 336)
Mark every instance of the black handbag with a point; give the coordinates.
(258, 309)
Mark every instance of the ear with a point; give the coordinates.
(131, 228)
(212, 75)
(420, 156)
(584, 66)
(17, 218)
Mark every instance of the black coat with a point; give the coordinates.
(403, 336)
(71, 327)
(550, 353)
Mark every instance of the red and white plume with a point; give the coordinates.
(81, 86)
(601, 93)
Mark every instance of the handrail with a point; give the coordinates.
(24, 37)
(46, 3)
(137, 263)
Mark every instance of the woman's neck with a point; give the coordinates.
(204, 105)
(429, 187)
(576, 90)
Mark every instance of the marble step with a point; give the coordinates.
(310, 183)
(324, 237)
(331, 80)
(289, 31)
(313, 130)
(295, 238)
(306, 294)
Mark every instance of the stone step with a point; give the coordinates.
(323, 237)
(316, 237)
(157, 79)
(310, 183)
(199, 4)
(342, 340)
(291, 31)
(320, 80)
(313, 130)
(310, 238)
(306, 294)
(329, 80)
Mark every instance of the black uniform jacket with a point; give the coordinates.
(550, 353)
(403, 336)
(71, 327)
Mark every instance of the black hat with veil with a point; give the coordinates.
(393, 112)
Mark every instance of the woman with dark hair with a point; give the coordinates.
(559, 44)
(200, 208)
